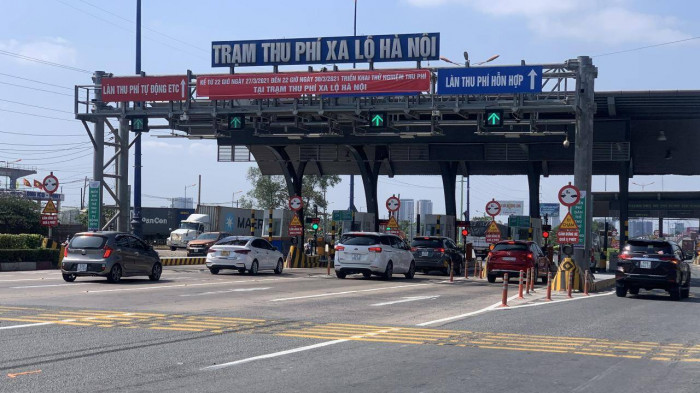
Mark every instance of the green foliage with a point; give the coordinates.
(37, 255)
(270, 192)
(21, 241)
(19, 215)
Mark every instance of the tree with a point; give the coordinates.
(19, 215)
(270, 192)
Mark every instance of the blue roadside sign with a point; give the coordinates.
(489, 80)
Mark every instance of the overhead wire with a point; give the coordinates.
(36, 88)
(31, 134)
(648, 46)
(36, 106)
(35, 115)
(35, 81)
(45, 62)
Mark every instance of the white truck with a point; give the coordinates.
(189, 229)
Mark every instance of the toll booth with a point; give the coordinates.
(429, 225)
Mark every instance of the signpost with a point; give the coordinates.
(94, 206)
(296, 84)
(295, 228)
(393, 204)
(326, 50)
(295, 203)
(578, 211)
(392, 226)
(568, 232)
(493, 208)
(489, 80)
(342, 215)
(145, 88)
(493, 234)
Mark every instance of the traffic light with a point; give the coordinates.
(545, 235)
(314, 226)
(377, 120)
(139, 124)
(465, 232)
(235, 122)
(493, 118)
(546, 228)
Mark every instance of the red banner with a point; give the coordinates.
(49, 220)
(144, 88)
(296, 84)
(567, 236)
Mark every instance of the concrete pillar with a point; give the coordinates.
(661, 226)
(449, 185)
(13, 183)
(99, 154)
(583, 156)
(123, 176)
(533, 182)
(624, 202)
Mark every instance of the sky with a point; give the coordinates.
(37, 125)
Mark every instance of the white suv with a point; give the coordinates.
(373, 253)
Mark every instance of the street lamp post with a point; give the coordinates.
(184, 202)
(233, 198)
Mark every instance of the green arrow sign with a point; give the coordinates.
(138, 124)
(377, 120)
(236, 122)
(494, 118)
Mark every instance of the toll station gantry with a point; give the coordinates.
(449, 124)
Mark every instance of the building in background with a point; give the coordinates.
(182, 203)
(424, 207)
(679, 228)
(406, 210)
(641, 228)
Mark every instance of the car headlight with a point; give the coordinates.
(621, 269)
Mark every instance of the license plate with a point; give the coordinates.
(82, 267)
(424, 254)
(645, 264)
(508, 258)
(225, 253)
(356, 257)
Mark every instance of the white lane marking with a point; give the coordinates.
(50, 285)
(226, 291)
(182, 285)
(26, 325)
(295, 350)
(469, 314)
(557, 301)
(406, 299)
(344, 292)
(28, 279)
(272, 355)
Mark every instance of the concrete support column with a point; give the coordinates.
(583, 158)
(293, 176)
(661, 227)
(449, 185)
(533, 182)
(123, 176)
(369, 170)
(624, 202)
(98, 160)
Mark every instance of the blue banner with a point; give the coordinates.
(326, 50)
(549, 209)
(489, 80)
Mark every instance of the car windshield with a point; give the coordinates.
(88, 242)
(510, 247)
(641, 247)
(428, 243)
(189, 225)
(208, 236)
(232, 242)
(359, 240)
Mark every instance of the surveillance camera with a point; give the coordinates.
(566, 142)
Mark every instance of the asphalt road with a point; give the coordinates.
(303, 331)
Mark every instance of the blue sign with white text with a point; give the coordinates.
(327, 50)
(489, 80)
(549, 209)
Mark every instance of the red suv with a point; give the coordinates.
(513, 256)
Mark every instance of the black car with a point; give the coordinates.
(652, 264)
(437, 253)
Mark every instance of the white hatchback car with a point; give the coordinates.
(373, 253)
(244, 253)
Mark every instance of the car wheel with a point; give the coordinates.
(685, 291)
(156, 271)
(491, 278)
(69, 277)
(634, 291)
(620, 290)
(367, 274)
(279, 267)
(173, 248)
(411, 271)
(241, 270)
(675, 292)
(115, 274)
(213, 270)
(389, 271)
(340, 274)
(253, 268)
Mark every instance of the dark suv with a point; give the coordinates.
(652, 264)
(436, 253)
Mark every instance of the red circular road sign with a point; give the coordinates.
(295, 203)
(569, 195)
(50, 183)
(493, 208)
(393, 204)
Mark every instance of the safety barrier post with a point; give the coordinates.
(570, 284)
(549, 286)
(504, 299)
(527, 281)
(533, 279)
(452, 271)
(328, 261)
(466, 267)
(520, 285)
(585, 283)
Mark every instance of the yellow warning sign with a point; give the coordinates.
(295, 222)
(493, 228)
(568, 222)
(392, 224)
(50, 208)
